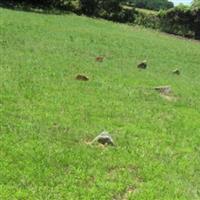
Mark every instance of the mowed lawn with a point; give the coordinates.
(47, 117)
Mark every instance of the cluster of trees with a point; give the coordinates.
(89, 6)
(108, 9)
(180, 20)
(50, 4)
(153, 4)
(146, 4)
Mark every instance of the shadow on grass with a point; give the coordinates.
(9, 4)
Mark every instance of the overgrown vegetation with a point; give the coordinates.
(153, 4)
(147, 19)
(181, 20)
(111, 10)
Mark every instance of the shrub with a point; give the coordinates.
(178, 21)
(111, 10)
(153, 4)
(123, 15)
(89, 7)
(127, 15)
(181, 21)
(44, 4)
(196, 23)
(148, 19)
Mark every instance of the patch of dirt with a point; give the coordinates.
(99, 59)
(164, 90)
(126, 193)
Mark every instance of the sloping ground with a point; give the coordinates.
(47, 117)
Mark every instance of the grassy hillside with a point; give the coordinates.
(47, 117)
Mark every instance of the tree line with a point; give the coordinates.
(153, 4)
(87, 5)
(180, 20)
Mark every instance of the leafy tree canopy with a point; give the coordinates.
(153, 4)
(196, 4)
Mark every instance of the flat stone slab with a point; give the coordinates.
(166, 90)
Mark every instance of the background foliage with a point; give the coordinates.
(196, 4)
(180, 20)
(153, 4)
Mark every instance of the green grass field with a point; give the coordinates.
(47, 117)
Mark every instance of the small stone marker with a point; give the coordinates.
(176, 71)
(82, 78)
(142, 65)
(104, 138)
(166, 90)
(99, 59)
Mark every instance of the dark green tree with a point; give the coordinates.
(153, 4)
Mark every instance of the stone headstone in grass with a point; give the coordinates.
(165, 90)
(176, 71)
(99, 59)
(142, 65)
(82, 77)
(104, 138)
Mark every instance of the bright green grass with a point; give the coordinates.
(47, 117)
